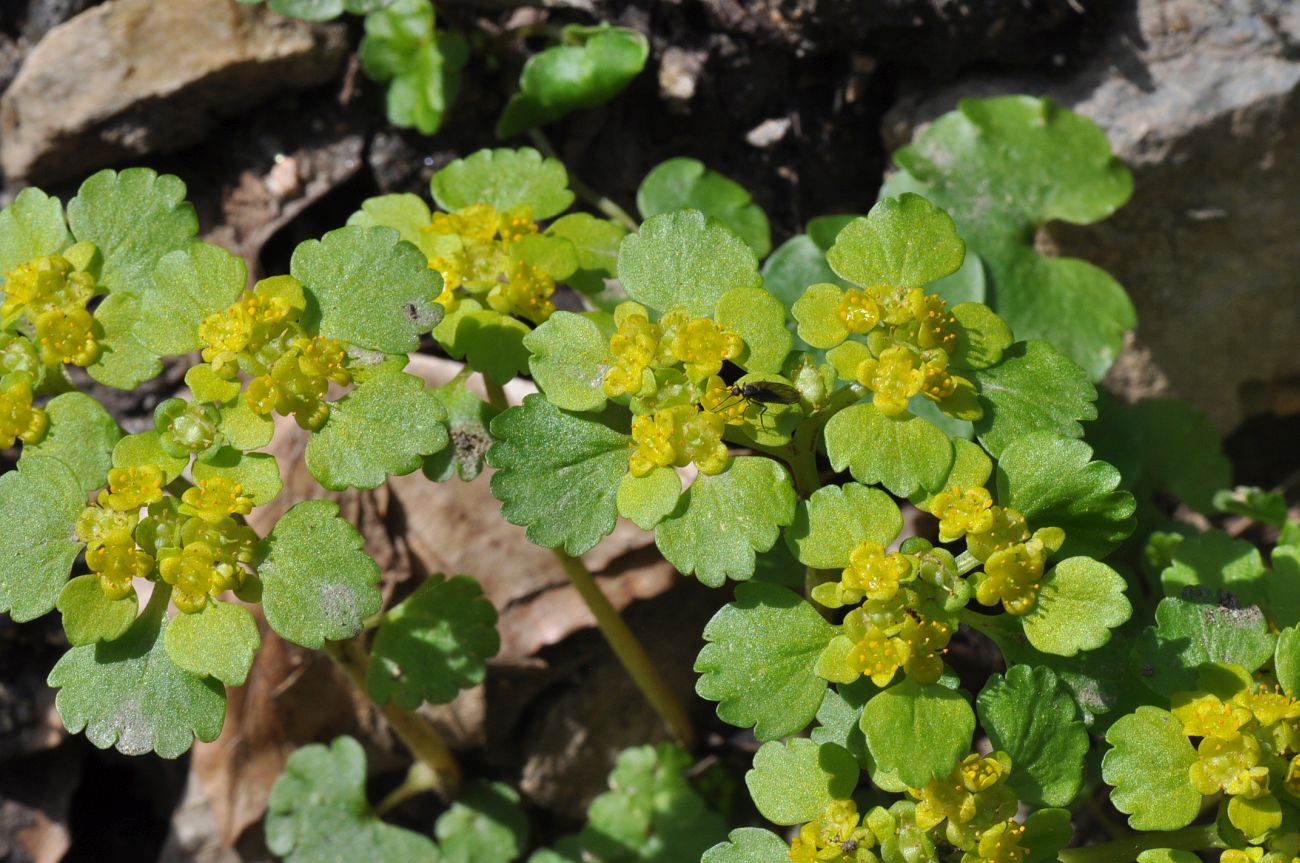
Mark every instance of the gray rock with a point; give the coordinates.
(135, 76)
(1202, 100)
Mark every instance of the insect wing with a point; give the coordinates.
(770, 392)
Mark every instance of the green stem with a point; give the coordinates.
(419, 779)
(1198, 838)
(629, 650)
(966, 562)
(612, 210)
(981, 623)
(415, 732)
(496, 393)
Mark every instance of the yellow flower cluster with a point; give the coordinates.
(639, 348)
(19, 419)
(1241, 736)
(837, 836)
(970, 802)
(887, 637)
(676, 436)
(50, 295)
(476, 254)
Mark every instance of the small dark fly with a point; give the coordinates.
(763, 393)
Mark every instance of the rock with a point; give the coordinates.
(44, 15)
(133, 76)
(1202, 100)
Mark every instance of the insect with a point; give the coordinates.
(762, 393)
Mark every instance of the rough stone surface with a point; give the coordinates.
(134, 76)
(1202, 100)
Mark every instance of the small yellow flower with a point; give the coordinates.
(1231, 766)
(702, 345)
(1001, 843)
(67, 336)
(893, 378)
(962, 511)
(130, 488)
(44, 284)
(117, 561)
(858, 310)
(216, 498)
(874, 573)
(937, 328)
(632, 349)
(19, 420)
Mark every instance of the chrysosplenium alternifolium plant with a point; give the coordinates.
(770, 426)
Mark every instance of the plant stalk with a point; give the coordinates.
(629, 650)
(421, 738)
(1198, 838)
(611, 210)
(419, 779)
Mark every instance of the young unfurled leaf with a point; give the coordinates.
(317, 583)
(681, 184)
(318, 811)
(917, 731)
(1147, 767)
(1268, 507)
(904, 453)
(188, 285)
(557, 473)
(219, 641)
(82, 435)
(505, 179)
(1003, 168)
(383, 428)
(758, 663)
(749, 845)
(683, 259)
(651, 813)
(31, 226)
(792, 782)
(1033, 388)
(421, 65)
(133, 217)
(468, 418)
(831, 523)
(129, 694)
(1189, 633)
(568, 361)
(368, 288)
(904, 241)
(485, 825)
(1053, 481)
(1030, 715)
(40, 501)
(433, 644)
(1081, 601)
(89, 615)
(722, 520)
(592, 66)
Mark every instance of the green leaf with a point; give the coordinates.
(918, 731)
(1167, 855)
(758, 318)
(41, 501)
(971, 467)
(218, 641)
(82, 435)
(1034, 388)
(758, 663)
(1257, 504)
(433, 644)
(594, 66)
(1081, 601)
(245, 430)
(490, 342)
(683, 259)
(188, 285)
(749, 845)
(317, 812)
(903, 453)
(123, 363)
(1004, 168)
(317, 583)
(686, 184)
(904, 241)
(89, 615)
(1192, 632)
(1286, 659)
(134, 218)
(1218, 563)
(982, 337)
(796, 264)
(505, 179)
(1047, 831)
(557, 473)
(405, 213)
(839, 721)
(792, 782)
(420, 65)
(258, 473)
(1030, 715)
(648, 500)
(831, 523)
(484, 825)
(722, 520)
(596, 242)
(305, 10)
(134, 450)
(1147, 767)
(129, 694)
(368, 288)
(568, 361)
(468, 418)
(650, 814)
(1053, 481)
(382, 428)
(30, 227)
(207, 387)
